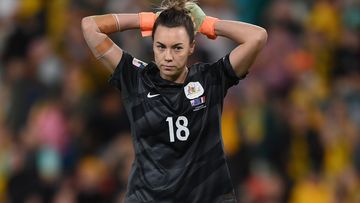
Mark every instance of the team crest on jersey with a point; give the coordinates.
(193, 90)
(140, 64)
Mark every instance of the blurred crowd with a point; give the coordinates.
(291, 129)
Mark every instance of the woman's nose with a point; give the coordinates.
(168, 55)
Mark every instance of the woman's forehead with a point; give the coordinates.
(171, 36)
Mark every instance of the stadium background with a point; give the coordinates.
(291, 128)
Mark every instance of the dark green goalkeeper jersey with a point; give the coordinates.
(176, 131)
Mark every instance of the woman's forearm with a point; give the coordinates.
(251, 40)
(240, 32)
(128, 21)
(111, 23)
(96, 30)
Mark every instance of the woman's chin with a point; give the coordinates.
(168, 75)
(169, 72)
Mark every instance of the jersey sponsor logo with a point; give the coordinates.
(193, 90)
(140, 64)
(149, 95)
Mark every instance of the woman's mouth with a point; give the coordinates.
(168, 68)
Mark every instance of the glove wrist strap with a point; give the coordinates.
(147, 20)
(208, 27)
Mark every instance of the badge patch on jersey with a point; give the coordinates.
(136, 62)
(197, 101)
(193, 90)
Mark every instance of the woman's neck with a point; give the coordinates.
(176, 78)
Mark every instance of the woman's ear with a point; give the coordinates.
(192, 48)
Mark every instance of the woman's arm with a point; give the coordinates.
(96, 30)
(251, 40)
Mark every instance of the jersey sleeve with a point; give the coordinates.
(223, 71)
(126, 75)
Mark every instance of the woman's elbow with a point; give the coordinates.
(86, 23)
(261, 37)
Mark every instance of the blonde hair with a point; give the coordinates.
(175, 4)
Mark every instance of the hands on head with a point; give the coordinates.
(202, 23)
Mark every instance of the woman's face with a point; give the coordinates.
(172, 48)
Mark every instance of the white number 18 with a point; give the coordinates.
(182, 132)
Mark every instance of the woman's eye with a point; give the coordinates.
(178, 48)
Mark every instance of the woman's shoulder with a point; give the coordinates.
(131, 60)
(207, 66)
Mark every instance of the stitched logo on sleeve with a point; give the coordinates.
(140, 64)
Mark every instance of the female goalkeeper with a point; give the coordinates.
(175, 108)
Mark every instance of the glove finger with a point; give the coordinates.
(197, 14)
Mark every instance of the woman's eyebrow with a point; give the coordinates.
(161, 44)
(178, 44)
(175, 45)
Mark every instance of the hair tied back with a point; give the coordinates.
(174, 4)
